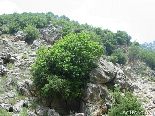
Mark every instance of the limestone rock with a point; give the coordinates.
(8, 107)
(26, 87)
(41, 111)
(3, 70)
(79, 114)
(37, 43)
(5, 57)
(18, 106)
(105, 72)
(122, 81)
(52, 112)
(12, 60)
(20, 36)
(93, 99)
(49, 34)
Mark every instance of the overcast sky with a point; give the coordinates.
(136, 17)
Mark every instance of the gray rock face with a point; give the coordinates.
(5, 57)
(8, 107)
(49, 34)
(122, 81)
(3, 70)
(12, 60)
(105, 72)
(18, 106)
(95, 95)
(41, 111)
(79, 114)
(26, 88)
(93, 99)
(37, 43)
(20, 36)
(52, 112)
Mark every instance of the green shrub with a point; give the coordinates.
(32, 33)
(113, 59)
(14, 27)
(24, 56)
(127, 105)
(3, 112)
(64, 70)
(120, 55)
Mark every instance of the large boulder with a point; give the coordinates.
(37, 43)
(49, 34)
(94, 99)
(105, 72)
(123, 82)
(26, 88)
(108, 72)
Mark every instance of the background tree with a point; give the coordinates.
(32, 33)
(134, 51)
(122, 38)
(120, 55)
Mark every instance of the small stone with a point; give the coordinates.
(79, 114)
(12, 60)
(154, 101)
(152, 88)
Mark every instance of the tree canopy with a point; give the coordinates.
(11, 23)
(64, 69)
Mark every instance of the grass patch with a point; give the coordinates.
(3, 112)
(24, 56)
(11, 66)
(24, 112)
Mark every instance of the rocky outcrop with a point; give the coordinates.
(108, 72)
(95, 95)
(20, 36)
(105, 72)
(3, 70)
(50, 34)
(41, 111)
(37, 43)
(26, 88)
(94, 99)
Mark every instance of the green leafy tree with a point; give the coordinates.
(64, 69)
(122, 38)
(1, 21)
(120, 55)
(134, 51)
(148, 57)
(32, 33)
(113, 59)
(14, 27)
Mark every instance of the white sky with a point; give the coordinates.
(136, 17)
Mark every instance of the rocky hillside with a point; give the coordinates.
(18, 96)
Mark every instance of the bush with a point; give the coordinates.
(14, 27)
(127, 105)
(113, 59)
(32, 33)
(120, 55)
(64, 69)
